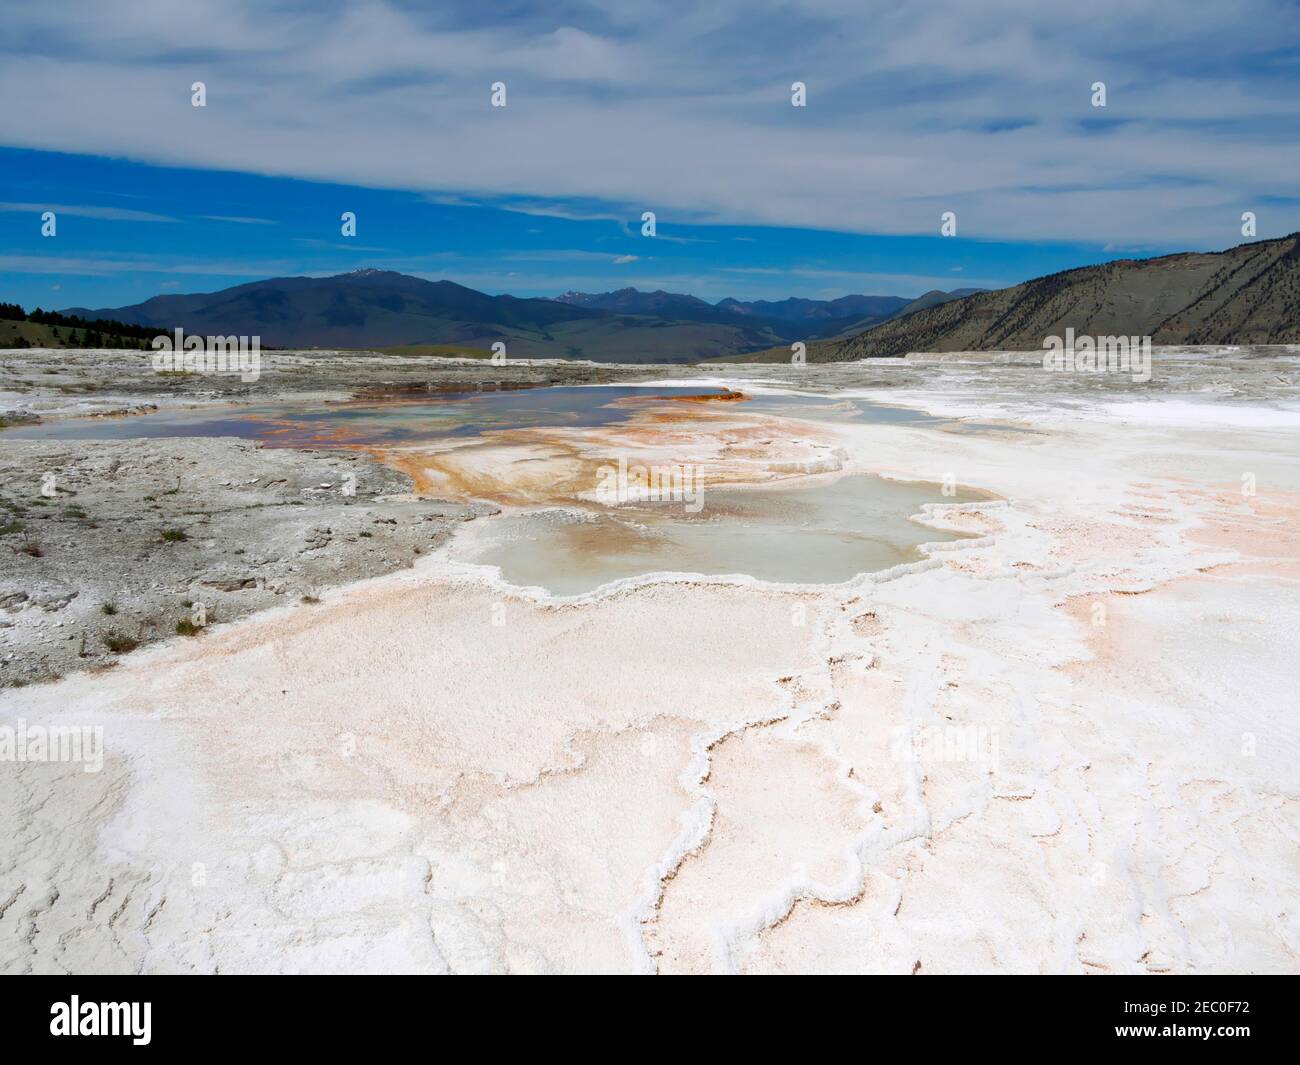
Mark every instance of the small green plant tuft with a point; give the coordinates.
(120, 644)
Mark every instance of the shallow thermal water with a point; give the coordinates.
(820, 534)
(824, 533)
(429, 416)
(387, 421)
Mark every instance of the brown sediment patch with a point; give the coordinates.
(1120, 637)
(550, 465)
(1278, 570)
(120, 412)
(775, 443)
(542, 464)
(1076, 541)
(974, 522)
(867, 624)
(1147, 515)
(413, 465)
(1258, 527)
(509, 467)
(282, 432)
(1265, 532)
(729, 395)
(420, 391)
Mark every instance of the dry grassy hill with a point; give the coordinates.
(1249, 294)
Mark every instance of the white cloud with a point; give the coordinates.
(110, 214)
(239, 220)
(107, 267)
(686, 112)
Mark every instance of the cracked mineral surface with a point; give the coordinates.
(1061, 738)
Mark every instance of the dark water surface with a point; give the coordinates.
(431, 416)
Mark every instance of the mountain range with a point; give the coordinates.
(1249, 294)
(384, 309)
(1246, 294)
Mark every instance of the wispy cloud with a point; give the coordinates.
(103, 267)
(238, 220)
(619, 108)
(107, 214)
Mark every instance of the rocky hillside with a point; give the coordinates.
(1247, 294)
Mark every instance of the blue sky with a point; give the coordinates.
(383, 109)
(127, 231)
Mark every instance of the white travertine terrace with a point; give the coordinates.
(670, 776)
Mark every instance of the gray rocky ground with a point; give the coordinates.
(48, 381)
(108, 545)
(141, 536)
